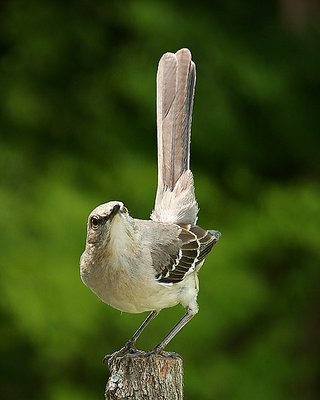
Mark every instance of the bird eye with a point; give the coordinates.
(125, 209)
(94, 222)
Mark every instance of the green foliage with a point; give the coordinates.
(77, 127)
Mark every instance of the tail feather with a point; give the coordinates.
(166, 97)
(184, 104)
(175, 92)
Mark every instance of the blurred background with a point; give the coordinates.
(77, 126)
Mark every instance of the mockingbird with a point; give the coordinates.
(139, 265)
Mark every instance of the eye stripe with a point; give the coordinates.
(97, 220)
(94, 222)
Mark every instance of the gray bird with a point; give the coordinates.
(139, 265)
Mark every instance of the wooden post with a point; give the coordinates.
(140, 376)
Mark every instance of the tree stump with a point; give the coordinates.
(140, 376)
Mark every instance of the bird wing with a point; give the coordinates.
(175, 263)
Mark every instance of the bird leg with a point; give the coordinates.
(183, 321)
(129, 347)
(131, 343)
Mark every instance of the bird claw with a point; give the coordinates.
(128, 348)
(157, 350)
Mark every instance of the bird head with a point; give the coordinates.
(104, 219)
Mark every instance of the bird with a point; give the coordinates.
(137, 265)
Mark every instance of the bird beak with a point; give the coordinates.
(114, 211)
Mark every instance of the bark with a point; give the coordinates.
(145, 377)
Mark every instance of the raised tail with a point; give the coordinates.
(175, 199)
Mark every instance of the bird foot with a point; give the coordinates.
(128, 348)
(159, 351)
(153, 352)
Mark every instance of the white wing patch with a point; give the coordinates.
(196, 243)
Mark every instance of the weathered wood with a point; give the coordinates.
(145, 377)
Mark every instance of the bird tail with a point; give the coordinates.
(175, 199)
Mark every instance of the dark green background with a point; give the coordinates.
(77, 125)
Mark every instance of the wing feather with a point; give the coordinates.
(195, 244)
